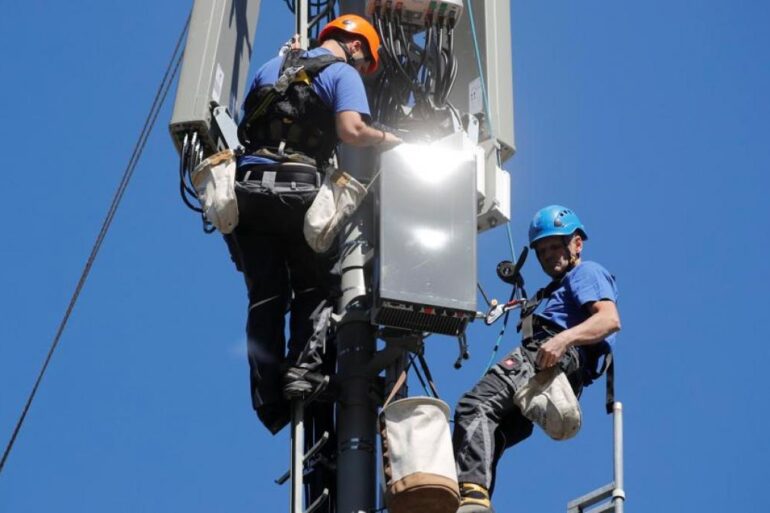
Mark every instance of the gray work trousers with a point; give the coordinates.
(487, 422)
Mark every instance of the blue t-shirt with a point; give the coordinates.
(338, 85)
(586, 283)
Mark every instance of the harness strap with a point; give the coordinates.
(609, 367)
(528, 311)
(279, 113)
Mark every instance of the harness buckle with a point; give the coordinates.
(268, 180)
(290, 75)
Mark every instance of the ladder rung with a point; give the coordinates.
(578, 505)
(309, 454)
(604, 508)
(317, 503)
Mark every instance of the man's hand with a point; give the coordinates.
(389, 141)
(295, 43)
(551, 351)
(602, 322)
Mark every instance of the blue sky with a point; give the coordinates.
(648, 118)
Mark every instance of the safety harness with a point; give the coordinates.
(529, 324)
(288, 121)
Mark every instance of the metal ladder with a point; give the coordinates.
(299, 459)
(612, 496)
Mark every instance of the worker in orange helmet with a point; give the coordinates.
(300, 106)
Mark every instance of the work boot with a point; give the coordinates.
(474, 499)
(299, 383)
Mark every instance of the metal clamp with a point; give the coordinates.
(496, 310)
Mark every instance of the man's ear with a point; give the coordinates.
(578, 243)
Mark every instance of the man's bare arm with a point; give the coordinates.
(603, 322)
(353, 130)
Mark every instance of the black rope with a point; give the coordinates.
(152, 116)
(484, 294)
(418, 374)
(428, 376)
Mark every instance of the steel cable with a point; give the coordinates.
(152, 116)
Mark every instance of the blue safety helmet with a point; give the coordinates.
(554, 220)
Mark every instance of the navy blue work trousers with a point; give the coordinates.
(282, 273)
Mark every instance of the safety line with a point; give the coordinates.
(152, 116)
(505, 321)
(510, 242)
(500, 335)
(484, 294)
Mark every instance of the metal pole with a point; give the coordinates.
(618, 494)
(300, 16)
(356, 410)
(297, 454)
(356, 344)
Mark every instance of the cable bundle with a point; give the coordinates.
(416, 80)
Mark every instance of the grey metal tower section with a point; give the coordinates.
(216, 65)
(356, 346)
(493, 35)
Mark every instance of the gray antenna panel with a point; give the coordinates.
(215, 67)
(493, 31)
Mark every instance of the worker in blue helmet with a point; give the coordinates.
(566, 329)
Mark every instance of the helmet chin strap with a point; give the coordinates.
(348, 55)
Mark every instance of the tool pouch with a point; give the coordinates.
(214, 182)
(548, 400)
(337, 199)
(545, 397)
(418, 461)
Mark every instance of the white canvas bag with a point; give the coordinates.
(339, 196)
(214, 182)
(548, 400)
(418, 460)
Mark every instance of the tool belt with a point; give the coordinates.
(280, 172)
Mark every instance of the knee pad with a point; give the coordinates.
(548, 401)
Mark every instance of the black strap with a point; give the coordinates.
(594, 371)
(428, 376)
(284, 177)
(311, 65)
(609, 368)
(528, 311)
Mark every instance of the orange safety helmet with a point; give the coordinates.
(354, 24)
